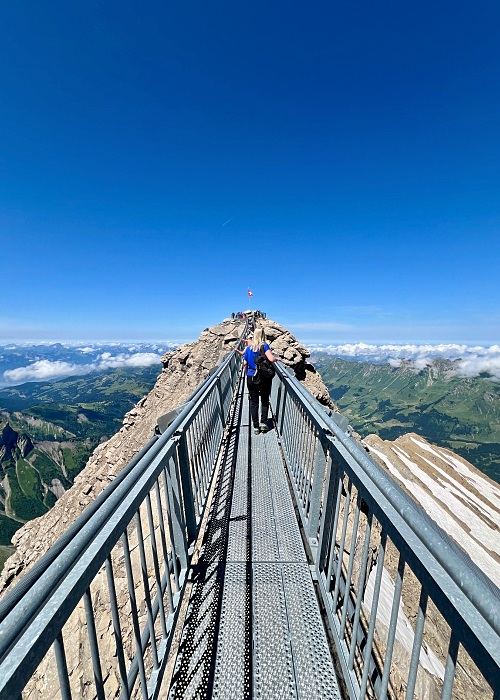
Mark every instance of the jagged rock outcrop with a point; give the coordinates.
(13, 443)
(294, 355)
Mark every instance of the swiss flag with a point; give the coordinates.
(250, 293)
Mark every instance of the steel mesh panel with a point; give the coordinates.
(314, 672)
(238, 542)
(233, 660)
(287, 533)
(273, 674)
(245, 414)
(264, 540)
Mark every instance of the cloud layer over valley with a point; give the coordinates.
(470, 361)
(36, 363)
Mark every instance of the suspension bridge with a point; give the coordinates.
(224, 564)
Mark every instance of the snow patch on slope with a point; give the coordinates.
(404, 630)
(467, 529)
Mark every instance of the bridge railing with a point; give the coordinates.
(409, 613)
(98, 611)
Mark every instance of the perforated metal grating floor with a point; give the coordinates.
(253, 627)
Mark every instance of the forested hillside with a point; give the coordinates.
(49, 430)
(462, 413)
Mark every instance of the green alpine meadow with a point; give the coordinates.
(445, 407)
(48, 430)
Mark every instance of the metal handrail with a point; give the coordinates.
(35, 611)
(325, 467)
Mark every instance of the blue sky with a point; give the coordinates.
(353, 146)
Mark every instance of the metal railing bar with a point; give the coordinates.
(154, 553)
(340, 488)
(94, 648)
(324, 529)
(193, 468)
(164, 543)
(311, 456)
(125, 695)
(373, 615)
(302, 436)
(349, 566)
(145, 582)
(308, 470)
(170, 529)
(62, 667)
(135, 618)
(451, 665)
(359, 593)
(340, 559)
(417, 644)
(392, 628)
(311, 468)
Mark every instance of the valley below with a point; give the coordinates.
(48, 430)
(436, 402)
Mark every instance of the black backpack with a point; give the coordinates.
(264, 368)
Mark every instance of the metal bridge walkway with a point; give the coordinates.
(253, 626)
(110, 594)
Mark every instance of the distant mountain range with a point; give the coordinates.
(440, 404)
(48, 431)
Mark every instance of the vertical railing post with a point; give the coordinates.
(187, 485)
(177, 519)
(282, 422)
(317, 489)
(221, 403)
(333, 476)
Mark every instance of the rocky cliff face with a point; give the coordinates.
(183, 371)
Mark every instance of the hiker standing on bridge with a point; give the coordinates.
(261, 386)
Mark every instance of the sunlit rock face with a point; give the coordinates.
(466, 505)
(462, 500)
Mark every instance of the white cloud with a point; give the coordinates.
(47, 369)
(472, 360)
(44, 369)
(138, 359)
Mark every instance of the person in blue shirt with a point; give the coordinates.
(263, 389)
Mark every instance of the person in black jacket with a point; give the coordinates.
(263, 388)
